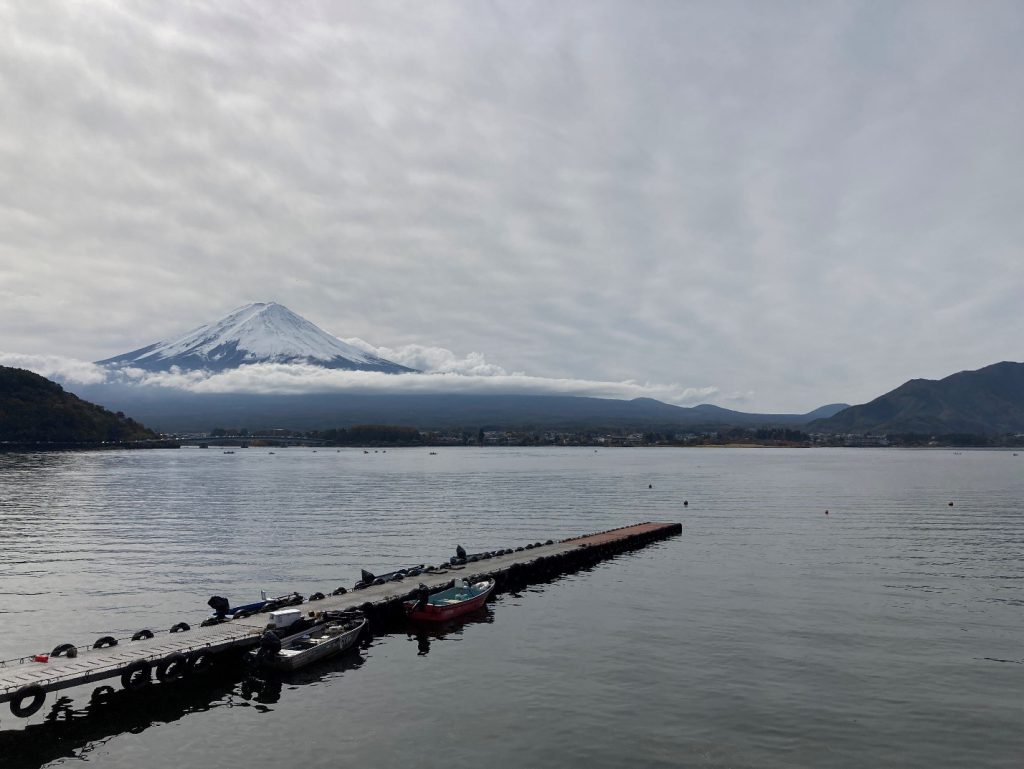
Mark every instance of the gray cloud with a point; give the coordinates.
(58, 368)
(802, 203)
(434, 360)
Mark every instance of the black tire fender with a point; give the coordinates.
(27, 700)
(136, 676)
(198, 661)
(104, 642)
(172, 666)
(65, 650)
(181, 627)
(142, 634)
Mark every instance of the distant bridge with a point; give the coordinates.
(245, 441)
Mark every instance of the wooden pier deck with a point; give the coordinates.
(24, 681)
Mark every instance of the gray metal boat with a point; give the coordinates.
(316, 643)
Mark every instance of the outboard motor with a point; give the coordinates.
(219, 604)
(270, 645)
(422, 596)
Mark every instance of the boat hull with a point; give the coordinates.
(289, 659)
(442, 612)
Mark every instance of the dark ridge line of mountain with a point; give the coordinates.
(181, 411)
(986, 401)
(34, 409)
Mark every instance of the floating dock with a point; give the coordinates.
(25, 682)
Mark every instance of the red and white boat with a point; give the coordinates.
(451, 603)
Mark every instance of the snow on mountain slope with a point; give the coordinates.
(262, 332)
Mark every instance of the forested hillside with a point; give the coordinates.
(34, 409)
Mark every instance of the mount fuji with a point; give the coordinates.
(262, 332)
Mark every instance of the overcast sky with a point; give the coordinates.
(766, 205)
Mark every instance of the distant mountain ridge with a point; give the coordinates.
(261, 332)
(182, 411)
(741, 418)
(983, 402)
(989, 401)
(267, 332)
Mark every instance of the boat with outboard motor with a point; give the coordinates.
(222, 609)
(448, 604)
(308, 640)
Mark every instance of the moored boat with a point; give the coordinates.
(222, 609)
(450, 603)
(312, 644)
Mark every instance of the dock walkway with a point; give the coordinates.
(23, 682)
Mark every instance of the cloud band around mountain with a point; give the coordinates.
(55, 367)
(443, 372)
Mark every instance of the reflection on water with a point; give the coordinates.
(768, 635)
(75, 729)
(423, 633)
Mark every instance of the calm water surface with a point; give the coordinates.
(888, 633)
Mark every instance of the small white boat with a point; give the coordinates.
(316, 643)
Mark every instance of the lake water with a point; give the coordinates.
(887, 633)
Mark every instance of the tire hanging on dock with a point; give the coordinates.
(181, 627)
(27, 700)
(172, 666)
(65, 650)
(136, 676)
(104, 642)
(142, 635)
(199, 661)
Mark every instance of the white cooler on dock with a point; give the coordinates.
(284, 618)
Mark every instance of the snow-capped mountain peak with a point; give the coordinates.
(262, 332)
